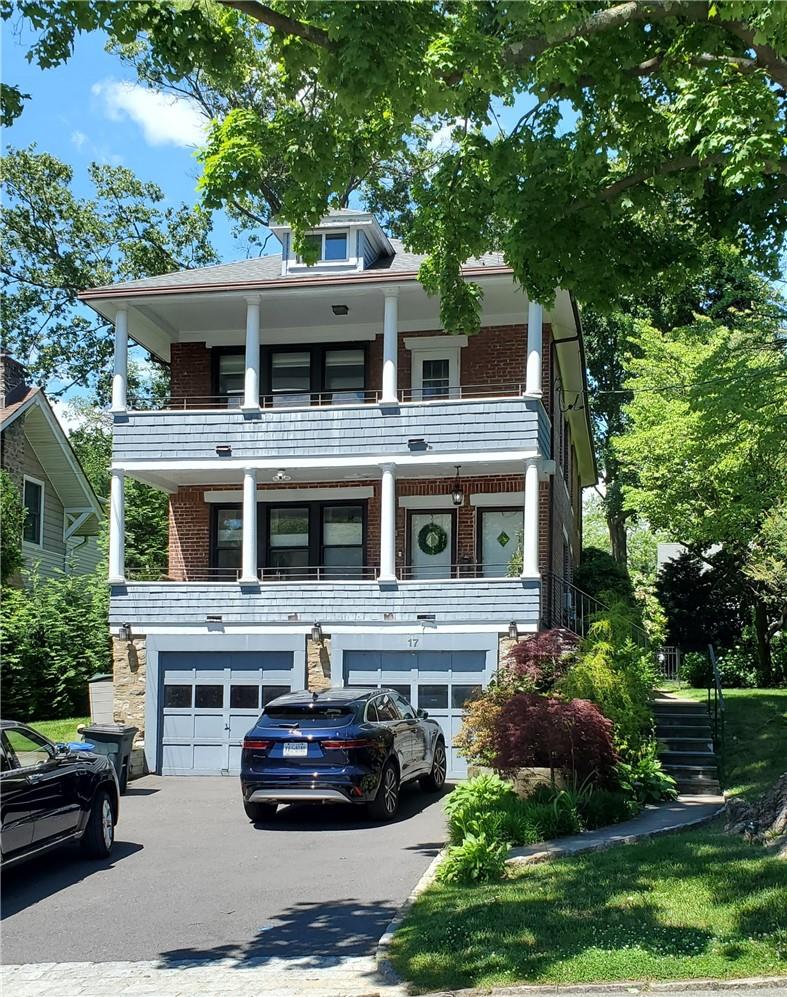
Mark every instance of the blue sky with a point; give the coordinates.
(91, 109)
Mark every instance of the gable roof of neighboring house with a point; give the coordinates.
(56, 455)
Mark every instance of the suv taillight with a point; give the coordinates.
(255, 744)
(346, 745)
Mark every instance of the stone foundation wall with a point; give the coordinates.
(318, 664)
(129, 661)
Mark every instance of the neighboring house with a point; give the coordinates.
(348, 486)
(63, 514)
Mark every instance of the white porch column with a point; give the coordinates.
(120, 367)
(535, 320)
(117, 527)
(390, 346)
(530, 531)
(251, 384)
(249, 536)
(388, 524)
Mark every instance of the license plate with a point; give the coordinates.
(295, 749)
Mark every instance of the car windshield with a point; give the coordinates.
(308, 714)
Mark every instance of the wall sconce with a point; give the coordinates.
(125, 632)
(513, 630)
(317, 633)
(339, 309)
(457, 495)
(224, 450)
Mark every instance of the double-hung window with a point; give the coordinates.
(323, 374)
(34, 511)
(331, 246)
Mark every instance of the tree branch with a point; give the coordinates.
(286, 25)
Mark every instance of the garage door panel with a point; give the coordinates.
(178, 727)
(210, 757)
(209, 726)
(437, 662)
(240, 725)
(178, 757)
(465, 661)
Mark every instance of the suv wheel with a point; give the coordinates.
(99, 834)
(386, 802)
(435, 781)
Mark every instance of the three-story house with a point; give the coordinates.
(357, 496)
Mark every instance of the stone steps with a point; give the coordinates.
(686, 745)
(693, 744)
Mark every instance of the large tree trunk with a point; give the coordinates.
(764, 660)
(617, 535)
(614, 514)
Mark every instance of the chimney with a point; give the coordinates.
(13, 379)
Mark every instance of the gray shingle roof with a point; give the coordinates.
(265, 268)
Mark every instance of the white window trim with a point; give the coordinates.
(294, 494)
(443, 347)
(39, 544)
(498, 500)
(322, 261)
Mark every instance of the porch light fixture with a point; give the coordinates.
(224, 450)
(457, 495)
(281, 475)
(340, 309)
(125, 631)
(513, 630)
(317, 633)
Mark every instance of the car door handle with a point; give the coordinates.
(33, 779)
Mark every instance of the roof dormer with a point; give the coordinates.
(347, 241)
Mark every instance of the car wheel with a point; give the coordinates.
(99, 834)
(386, 802)
(259, 811)
(435, 781)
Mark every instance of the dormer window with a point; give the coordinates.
(331, 246)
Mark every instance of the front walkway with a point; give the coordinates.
(686, 811)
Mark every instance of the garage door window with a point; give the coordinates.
(178, 697)
(208, 697)
(461, 695)
(271, 692)
(244, 697)
(433, 697)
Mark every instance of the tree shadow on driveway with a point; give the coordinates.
(33, 881)
(314, 934)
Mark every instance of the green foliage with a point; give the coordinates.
(617, 675)
(600, 575)
(55, 635)
(643, 779)
(766, 560)
(483, 793)
(695, 669)
(628, 122)
(475, 860)
(55, 245)
(12, 520)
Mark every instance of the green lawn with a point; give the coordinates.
(698, 904)
(60, 730)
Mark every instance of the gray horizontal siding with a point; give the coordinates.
(188, 603)
(365, 430)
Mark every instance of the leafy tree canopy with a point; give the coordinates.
(54, 244)
(625, 107)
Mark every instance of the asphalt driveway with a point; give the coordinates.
(191, 878)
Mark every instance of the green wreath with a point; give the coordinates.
(432, 539)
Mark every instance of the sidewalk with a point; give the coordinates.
(686, 811)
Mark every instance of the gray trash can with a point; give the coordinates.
(115, 741)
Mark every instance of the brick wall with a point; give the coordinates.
(190, 370)
(189, 532)
(13, 379)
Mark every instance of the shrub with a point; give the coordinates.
(618, 676)
(55, 635)
(473, 800)
(695, 669)
(542, 731)
(604, 807)
(644, 779)
(12, 519)
(475, 860)
(600, 575)
(536, 663)
(476, 738)
(737, 669)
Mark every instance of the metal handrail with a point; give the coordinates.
(566, 606)
(315, 573)
(716, 709)
(452, 392)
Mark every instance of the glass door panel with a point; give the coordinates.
(431, 544)
(499, 531)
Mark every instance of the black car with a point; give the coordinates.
(339, 746)
(50, 795)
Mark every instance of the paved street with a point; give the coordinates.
(191, 879)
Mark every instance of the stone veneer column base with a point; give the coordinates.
(129, 665)
(318, 664)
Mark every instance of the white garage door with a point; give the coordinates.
(440, 682)
(210, 700)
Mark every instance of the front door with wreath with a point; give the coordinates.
(431, 544)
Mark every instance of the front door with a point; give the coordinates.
(498, 535)
(431, 544)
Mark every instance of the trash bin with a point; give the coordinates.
(113, 740)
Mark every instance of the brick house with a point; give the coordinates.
(64, 517)
(356, 495)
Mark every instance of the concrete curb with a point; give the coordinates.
(559, 852)
(390, 978)
(776, 983)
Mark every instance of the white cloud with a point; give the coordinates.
(164, 119)
(78, 139)
(442, 139)
(68, 415)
